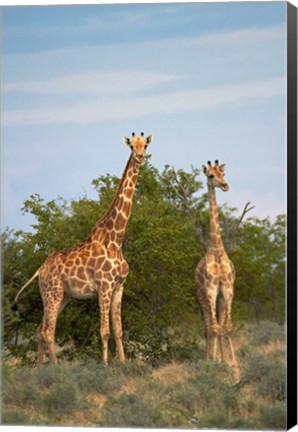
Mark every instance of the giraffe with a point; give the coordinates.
(215, 275)
(94, 268)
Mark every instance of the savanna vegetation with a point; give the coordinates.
(163, 332)
(186, 394)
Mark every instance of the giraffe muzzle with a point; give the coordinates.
(139, 158)
(225, 187)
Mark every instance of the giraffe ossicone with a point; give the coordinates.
(215, 275)
(93, 268)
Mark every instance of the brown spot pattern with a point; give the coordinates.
(95, 265)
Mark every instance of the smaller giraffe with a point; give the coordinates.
(215, 275)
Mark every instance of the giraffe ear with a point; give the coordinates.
(204, 169)
(149, 139)
(127, 140)
(222, 168)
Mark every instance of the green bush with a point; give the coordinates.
(274, 417)
(95, 377)
(132, 369)
(187, 394)
(20, 390)
(62, 398)
(268, 376)
(207, 398)
(18, 417)
(264, 332)
(133, 410)
(158, 350)
(48, 375)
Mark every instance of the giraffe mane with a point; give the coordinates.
(108, 212)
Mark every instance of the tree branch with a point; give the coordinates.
(232, 230)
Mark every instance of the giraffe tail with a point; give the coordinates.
(26, 284)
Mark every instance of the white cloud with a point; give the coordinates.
(86, 85)
(155, 52)
(243, 36)
(97, 110)
(95, 83)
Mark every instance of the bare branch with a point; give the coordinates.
(245, 211)
(232, 230)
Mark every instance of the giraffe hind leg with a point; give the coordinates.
(46, 330)
(214, 325)
(212, 328)
(222, 314)
(41, 343)
(228, 294)
(231, 343)
(205, 313)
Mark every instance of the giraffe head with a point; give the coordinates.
(215, 175)
(138, 146)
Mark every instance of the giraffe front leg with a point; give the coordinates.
(116, 320)
(104, 307)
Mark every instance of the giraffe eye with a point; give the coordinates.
(131, 147)
(145, 146)
(211, 176)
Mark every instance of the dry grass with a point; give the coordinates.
(193, 394)
(270, 347)
(171, 373)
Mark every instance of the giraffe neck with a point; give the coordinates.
(114, 221)
(215, 235)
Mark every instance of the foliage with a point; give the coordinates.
(19, 417)
(164, 240)
(274, 416)
(268, 374)
(185, 395)
(133, 410)
(268, 332)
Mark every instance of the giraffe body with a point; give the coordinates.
(215, 275)
(94, 268)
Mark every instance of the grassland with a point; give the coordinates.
(189, 394)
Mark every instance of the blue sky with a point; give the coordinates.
(208, 80)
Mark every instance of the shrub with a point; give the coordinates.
(19, 417)
(20, 391)
(107, 380)
(133, 410)
(206, 397)
(188, 394)
(132, 369)
(160, 349)
(274, 417)
(48, 375)
(62, 398)
(267, 374)
(264, 332)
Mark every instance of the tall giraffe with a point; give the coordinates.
(215, 275)
(93, 268)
